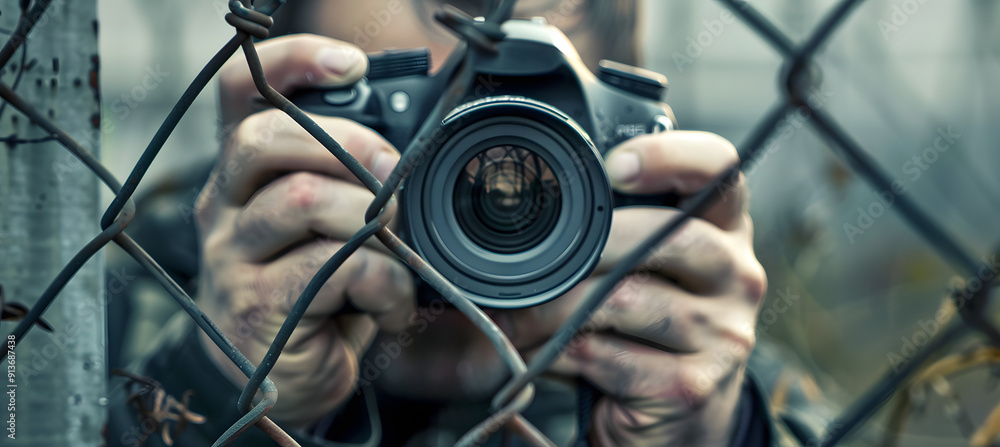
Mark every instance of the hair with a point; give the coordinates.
(615, 21)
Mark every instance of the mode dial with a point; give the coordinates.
(397, 63)
(639, 81)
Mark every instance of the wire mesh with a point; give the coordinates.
(799, 75)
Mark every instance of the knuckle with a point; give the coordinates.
(359, 141)
(214, 246)
(736, 338)
(718, 254)
(741, 343)
(202, 204)
(624, 297)
(726, 148)
(367, 275)
(301, 190)
(257, 130)
(728, 265)
(693, 385)
(364, 144)
(753, 280)
(255, 222)
(735, 186)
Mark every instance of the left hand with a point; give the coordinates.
(696, 296)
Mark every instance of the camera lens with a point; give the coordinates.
(511, 202)
(507, 199)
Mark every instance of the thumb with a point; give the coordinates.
(679, 161)
(290, 63)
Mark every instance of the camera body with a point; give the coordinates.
(509, 198)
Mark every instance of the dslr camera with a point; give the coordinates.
(509, 200)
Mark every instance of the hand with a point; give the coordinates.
(276, 207)
(695, 298)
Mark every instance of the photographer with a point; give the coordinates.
(278, 204)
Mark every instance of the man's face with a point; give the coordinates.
(381, 24)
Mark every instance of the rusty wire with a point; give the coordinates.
(799, 75)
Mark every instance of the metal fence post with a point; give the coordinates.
(49, 208)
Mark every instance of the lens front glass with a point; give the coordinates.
(507, 199)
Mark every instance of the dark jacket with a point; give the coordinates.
(181, 365)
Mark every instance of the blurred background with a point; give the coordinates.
(857, 283)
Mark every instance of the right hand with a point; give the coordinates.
(275, 208)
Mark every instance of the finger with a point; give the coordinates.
(660, 315)
(648, 379)
(700, 261)
(698, 256)
(316, 350)
(618, 367)
(270, 144)
(680, 162)
(644, 310)
(290, 63)
(297, 207)
(374, 283)
(671, 320)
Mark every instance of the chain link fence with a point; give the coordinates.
(800, 76)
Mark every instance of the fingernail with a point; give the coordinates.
(338, 60)
(623, 166)
(383, 165)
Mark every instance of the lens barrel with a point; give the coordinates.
(513, 204)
